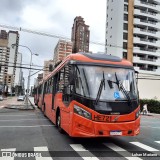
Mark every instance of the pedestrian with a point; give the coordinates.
(145, 110)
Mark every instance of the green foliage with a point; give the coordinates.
(153, 106)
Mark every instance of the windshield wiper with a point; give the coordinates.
(100, 89)
(121, 88)
(85, 78)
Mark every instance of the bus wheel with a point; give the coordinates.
(59, 123)
(44, 110)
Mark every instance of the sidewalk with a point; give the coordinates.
(12, 103)
(151, 114)
(31, 100)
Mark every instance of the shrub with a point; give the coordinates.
(153, 106)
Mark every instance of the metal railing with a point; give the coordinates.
(149, 4)
(147, 59)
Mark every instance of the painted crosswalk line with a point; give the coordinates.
(144, 146)
(2, 107)
(80, 150)
(120, 151)
(84, 152)
(42, 148)
(7, 154)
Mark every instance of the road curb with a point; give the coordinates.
(18, 108)
(31, 104)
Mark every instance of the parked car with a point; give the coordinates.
(21, 98)
(1, 98)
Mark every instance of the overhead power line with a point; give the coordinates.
(58, 36)
(149, 78)
(6, 62)
(23, 67)
(43, 33)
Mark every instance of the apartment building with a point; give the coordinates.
(8, 58)
(48, 67)
(62, 49)
(80, 35)
(133, 32)
(4, 54)
(40, 77)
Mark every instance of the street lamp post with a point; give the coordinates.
(28, 83)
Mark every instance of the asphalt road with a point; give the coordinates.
(29, 131)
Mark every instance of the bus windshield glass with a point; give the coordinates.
(105, 83)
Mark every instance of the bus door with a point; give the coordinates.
(55, 81)
(67, 85)
(43, 94)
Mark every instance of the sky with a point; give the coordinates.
(54, 17)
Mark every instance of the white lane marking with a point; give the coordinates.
(2, 107)
(22, 120)
(157, 142)
(78, 148)
(144, 146)
(151, 127)
(7, 154)
(17, 115)
(27, 126)
(114, 147)
(149, 122)
(120, 151)
(43, 148)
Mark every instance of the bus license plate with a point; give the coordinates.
(115, 133)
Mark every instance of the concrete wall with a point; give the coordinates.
(12, 40)
(18, 70)
(149, 89)
(114, 32)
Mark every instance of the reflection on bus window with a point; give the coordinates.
(88, 80)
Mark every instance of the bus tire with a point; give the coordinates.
(44, 110)
(58, 121)
(38, 105)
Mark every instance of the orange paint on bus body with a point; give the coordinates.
(98, 124)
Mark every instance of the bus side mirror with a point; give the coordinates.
(137, 75)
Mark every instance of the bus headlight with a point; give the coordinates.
(82, 112)
(138, 113)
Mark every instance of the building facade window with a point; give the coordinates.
(125, 17)
(125, 8)
(125, 36)
(124, 45)
(125, 26)
(125, 55)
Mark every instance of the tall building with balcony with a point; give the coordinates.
(48, 67)
(80, 36)
(18, 83)
(8, 58)
(133, 32)
(62, 49)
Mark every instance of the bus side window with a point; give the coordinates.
(67, 86)
(61, 80)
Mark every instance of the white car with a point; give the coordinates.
(21, 98)
(1, 98)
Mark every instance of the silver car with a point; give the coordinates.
(1, 98)
(21, 98)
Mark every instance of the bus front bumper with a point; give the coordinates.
(82, 127)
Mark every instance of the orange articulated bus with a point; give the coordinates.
(92, 95)
(38, 94)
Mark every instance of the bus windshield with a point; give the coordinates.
(105, 83)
